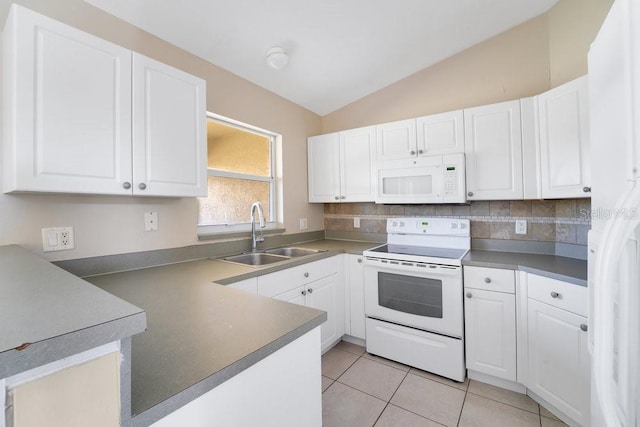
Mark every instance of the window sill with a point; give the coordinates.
(237, 234)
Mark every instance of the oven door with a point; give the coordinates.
(423, 296)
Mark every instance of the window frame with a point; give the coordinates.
(209, 229)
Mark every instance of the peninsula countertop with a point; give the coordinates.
(47, 314)
(200, 333)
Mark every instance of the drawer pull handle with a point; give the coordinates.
(469, 294)
(303, 292)
(306, 274)
(554, 294)
(310, 290)
(487, 280)
(584, 327)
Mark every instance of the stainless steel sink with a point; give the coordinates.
(256, 258)
(293, 252)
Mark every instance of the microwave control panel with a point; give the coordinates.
(450, 180)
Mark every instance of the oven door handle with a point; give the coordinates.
(423, 270)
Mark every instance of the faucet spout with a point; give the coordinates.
(256, 206)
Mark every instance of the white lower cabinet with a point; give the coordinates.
(318, 284)
(558, 358)
(490, 321)
(354, 292)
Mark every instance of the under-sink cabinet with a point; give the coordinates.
(490, 322)
(317, 284)
(87, 116)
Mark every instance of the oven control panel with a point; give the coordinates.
(429, 226)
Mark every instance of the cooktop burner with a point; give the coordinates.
(420, 251)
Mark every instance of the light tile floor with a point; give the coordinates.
(360, 389)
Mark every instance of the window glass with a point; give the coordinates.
(240, 168)
(230, 200)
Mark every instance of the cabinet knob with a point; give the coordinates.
(126, 185)
(310, 290)
(342, 197)
(337, 198)
(420, 151)
(413, 153)
(469, 295)
(306, 274)
(586, 189)
(359, 260)
(487, 280)
(470, 193)
(303, 292)
(554, 294)
(584, 327)
(142, 186)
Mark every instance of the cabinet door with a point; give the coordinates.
(324, 168)
(357, 174)
(493, 150)
(68, 108)
(169, 133)
(441, 133)
(396, 140)
(295, 296)
(558, 359)
(490, 332)
(327, 294)
(564, 141)
(356, 296)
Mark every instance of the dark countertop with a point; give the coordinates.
(200, 333)
(56, 313)
(556, 267)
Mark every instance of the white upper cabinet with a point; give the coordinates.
(323, 153)
(341, 166)
(169, 131)
(563, 114)
(67, 124)
(83, 115)
(493, 151)
(396, 140)
(440, 133)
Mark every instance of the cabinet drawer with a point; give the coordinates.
(490, 279)
(285, 280)
(567, 296)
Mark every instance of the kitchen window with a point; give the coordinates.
(241, 170)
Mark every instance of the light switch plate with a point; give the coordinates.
(356, 222)
(151, 221)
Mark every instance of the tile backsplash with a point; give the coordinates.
(559, 221)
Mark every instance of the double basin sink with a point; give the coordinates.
(270, 256)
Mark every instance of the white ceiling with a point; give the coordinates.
(339, 50)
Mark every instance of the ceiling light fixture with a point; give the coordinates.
(277, 58)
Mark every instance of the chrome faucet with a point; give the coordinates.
(256, 206)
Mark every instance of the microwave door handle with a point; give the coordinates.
(615, 236)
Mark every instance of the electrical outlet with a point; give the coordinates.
(151, 221)
(303, 224)
(356, 222)
(521, 226)
(57, 239)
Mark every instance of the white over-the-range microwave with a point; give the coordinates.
(427, 179)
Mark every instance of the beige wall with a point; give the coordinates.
(524, 61)
(109, 225)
